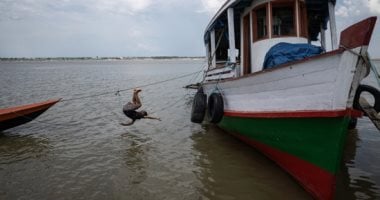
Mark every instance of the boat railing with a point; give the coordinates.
(223, 71)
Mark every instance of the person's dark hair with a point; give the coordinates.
(143, 113)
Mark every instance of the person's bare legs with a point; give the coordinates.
(136, 99)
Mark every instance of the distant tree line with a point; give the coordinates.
(98, 58)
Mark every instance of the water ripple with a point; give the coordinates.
(78, 150)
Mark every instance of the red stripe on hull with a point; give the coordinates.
(318, 182)
(295, 114)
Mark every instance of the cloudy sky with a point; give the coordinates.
(53, 28)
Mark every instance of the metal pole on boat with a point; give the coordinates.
(208, 53)
(323, 37)
(231, 35)
(334, 38)
(298, 18)
(212, 38)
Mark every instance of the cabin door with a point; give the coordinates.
(246, 45)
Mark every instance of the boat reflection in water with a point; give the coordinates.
(229, 169)
(357, 179)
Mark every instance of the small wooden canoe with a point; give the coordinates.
(15, 116)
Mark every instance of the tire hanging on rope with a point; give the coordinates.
(215, 108)
(198, 110)
(371, 90)
(376, 106)
(352, 123)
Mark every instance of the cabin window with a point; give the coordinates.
(283, 21)
(260, 25)
(221, 53)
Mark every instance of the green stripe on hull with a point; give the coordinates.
(319, 141)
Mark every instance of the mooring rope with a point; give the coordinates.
(213, 55)
(131, 88)
(374, 69)
(367, 59)
(170, 105)
(116, 93)
(197, 74)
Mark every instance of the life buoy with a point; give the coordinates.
(373, 91)
(198, 110)
(215, 108)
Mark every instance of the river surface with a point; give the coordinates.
(78, 150)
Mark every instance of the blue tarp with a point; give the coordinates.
(285, 52)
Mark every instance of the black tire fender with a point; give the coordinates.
(215, 108)
(198, 109)
(373, 91)
(352, 123)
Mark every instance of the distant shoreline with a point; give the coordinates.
(376, 60)
(103, 58)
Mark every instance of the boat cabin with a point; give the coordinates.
(242, 32)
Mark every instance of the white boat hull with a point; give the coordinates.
(319, 84)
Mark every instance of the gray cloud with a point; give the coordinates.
(37, 28)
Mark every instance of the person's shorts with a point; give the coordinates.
(131, 114)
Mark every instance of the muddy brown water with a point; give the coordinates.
(78, 150)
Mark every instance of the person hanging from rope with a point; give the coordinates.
(130, 109)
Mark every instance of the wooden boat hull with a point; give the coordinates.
(298, 113)
(309, 149)
(15, 116)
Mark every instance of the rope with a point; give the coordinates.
(374, 69)
(119, 98)
(350, 50)
(368, 60)
(65, 125)
(131, 88)
(216, 48)
(213, 54)
(217, 88)
(111, 110)
(197, 74)
(170, 105)
(117, 93)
